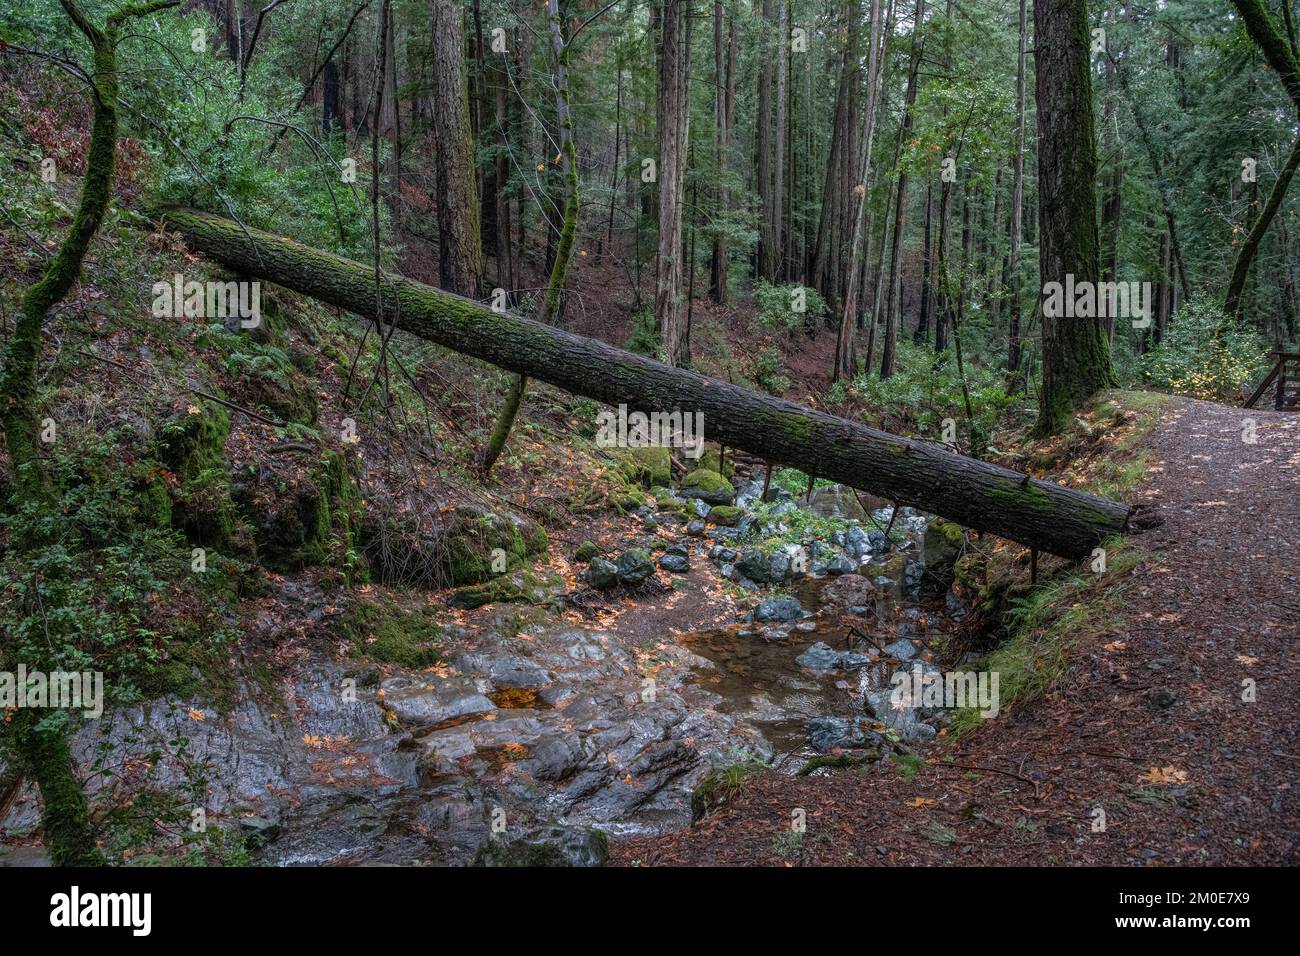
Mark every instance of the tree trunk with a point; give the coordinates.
(672, 118)
(43, 752)
(766, 265)
(894, 306)
(846, 356)
(1076, 352)
(1017, 209)
(568, 236)
(724, 101)
(460, 255)
(978, 495)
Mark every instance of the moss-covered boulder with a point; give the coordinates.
(725, 515)
(377, 627)
(634, 566)
(586, 551)
(311, 518)
(944, 541)
(648, 466)
(709, 486)
(477, 541)
(516, 587)
(195, 440)
(602, 574)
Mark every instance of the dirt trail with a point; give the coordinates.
(1149, 726)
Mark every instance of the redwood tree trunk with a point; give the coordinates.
(672, 117)
(1076, 351)
(460, 254)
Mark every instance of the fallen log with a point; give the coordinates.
(973, 493)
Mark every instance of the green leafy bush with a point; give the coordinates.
(1206, 355)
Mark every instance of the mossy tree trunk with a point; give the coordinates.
(1282, 57)
(460, 252)
(42, 749)
(1076, 351)
(564, 252)
(976, 494)
(672, 125)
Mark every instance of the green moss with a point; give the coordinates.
(586, 551)
(711, 459)
(709, 485)
(648, 466)
(377, 627)
(834, 762)
(316, 522)
(477, 540)
(195, 441)
(726, 515)
(517, 587)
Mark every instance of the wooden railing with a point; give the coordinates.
(1286, 375)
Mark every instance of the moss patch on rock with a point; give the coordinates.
(477, 542)
(708, 486)
(378, 627)
(517, 587)
(648, 466)
(725, 515)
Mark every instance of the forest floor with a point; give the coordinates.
(1173, 738)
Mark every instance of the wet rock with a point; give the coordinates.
(822, 657)
(675, 563)
(753, 564)
(849, 590)
(634, 567)
(546, 846)
(695, 529)
(839, 733)
(425, 703)
(904, 650)
(555, 758)
(708, 486)
(504, 670)
(778, 609)
(602, 574)
(841, 565)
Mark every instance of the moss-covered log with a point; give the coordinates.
(973, 493)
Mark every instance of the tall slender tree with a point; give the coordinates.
(1076, 351)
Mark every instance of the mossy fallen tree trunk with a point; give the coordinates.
(974, 493)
